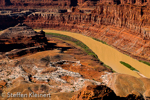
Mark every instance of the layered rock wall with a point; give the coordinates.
(41, 2)
(126, 27)
(66, 3)
(115, 23)
(139, 2)
(131, 17)
(7, 21)
(135, 18)
(2, 3)
(20, 40)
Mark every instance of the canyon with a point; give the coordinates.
(64, 70)
(42, 63)
(117, 25)
(112, 58)
(64, 3)
(21, 39)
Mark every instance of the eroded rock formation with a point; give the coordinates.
(64, 3)
(50, 71)
(117, 25)
(2, 2)
(138, 2)
(41, 3)
(35, 3)
(125, 84)
(11, 18)
(102, 92)
(123, 24)
(21, 39)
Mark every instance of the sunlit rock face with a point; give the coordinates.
(123, 24)
(123, 84)
(117, 25)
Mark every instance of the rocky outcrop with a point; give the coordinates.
(138, 2)
(2, 83)
(7, 21)
(32, 73)
(117, 25)
(21, 39)
(123, 84)
(36, 3)
(2, 3)
(102, 92)
(41, 3)
(10, 18)
(117, 22)
(64, 3)
(129, 16)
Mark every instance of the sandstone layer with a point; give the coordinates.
(125, 84)
(117, 22)
(21, 39)
(117, 25)
(62, 73)
(11, 18)
(64, 3)
(123, 24)
(59, 73)
(102, 92)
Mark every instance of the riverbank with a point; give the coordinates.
(112, 58)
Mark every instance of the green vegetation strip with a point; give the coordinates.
(128, 66)
(100, 41)
(79, 43)
(147, 63)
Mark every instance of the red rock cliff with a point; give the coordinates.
(41, 2)
(118, 25)
(139, 2)
(2, 3)
(64, 3)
